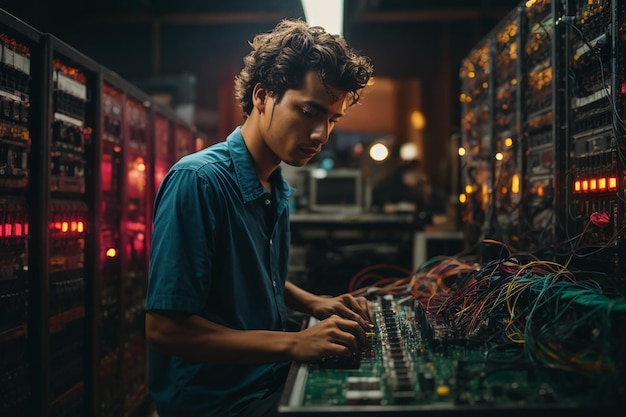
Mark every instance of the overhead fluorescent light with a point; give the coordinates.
(325, 13)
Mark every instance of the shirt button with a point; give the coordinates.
(271, 241)
(267, 202)
(274, 284)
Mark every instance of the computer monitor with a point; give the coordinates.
(336, 191)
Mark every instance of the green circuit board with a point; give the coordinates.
(412, 363)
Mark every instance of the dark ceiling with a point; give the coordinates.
(142, 39)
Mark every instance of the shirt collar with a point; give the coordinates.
(249, 183)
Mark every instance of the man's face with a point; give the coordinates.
(296, 127)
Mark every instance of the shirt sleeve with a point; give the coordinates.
(182, 244)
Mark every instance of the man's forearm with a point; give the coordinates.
(197, 339)
(298, 299)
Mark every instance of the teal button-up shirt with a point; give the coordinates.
(220, 249)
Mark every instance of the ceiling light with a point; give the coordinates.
(325, 13)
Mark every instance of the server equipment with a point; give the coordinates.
(504, 216)
(476, 140)
(511, 112)
(71, 121)
(18, 44)
(543, 132)
(540, 120)
(594, 180)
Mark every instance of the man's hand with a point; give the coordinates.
(346, 306)
(334, 336)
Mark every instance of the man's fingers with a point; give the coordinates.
(354, 329)
(360, 311)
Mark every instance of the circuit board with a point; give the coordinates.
(413, 364)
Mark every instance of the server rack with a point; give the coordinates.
(513, 117)
(504, 223)
(595, 188)
(538, 121)
(124, 218)
(107, 269)
(476, 139)
(71, 78)
(20, 47)
(136, 228)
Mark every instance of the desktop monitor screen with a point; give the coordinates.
(340, 191)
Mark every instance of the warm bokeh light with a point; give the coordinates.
(408, 151)
(319, 173)
(379, 152)
(515, 184)
(418, 120)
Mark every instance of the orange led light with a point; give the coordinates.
(585, 185)
(612, 183)
(515, 184)
(111, 252)
(602, 184)
(577, 185)
(593, 184)
(65, 227)
(80, 227)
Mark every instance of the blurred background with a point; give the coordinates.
(186, 53)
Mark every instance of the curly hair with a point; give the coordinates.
(281, 58)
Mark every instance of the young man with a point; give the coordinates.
(217, 295)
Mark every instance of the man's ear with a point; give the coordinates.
(259, 97)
